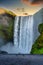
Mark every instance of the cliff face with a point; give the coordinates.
(6, 28)
(5, 18)
(38, 19)
(37, 47)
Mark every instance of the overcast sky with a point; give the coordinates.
(30, 6)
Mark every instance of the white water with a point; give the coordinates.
(23, 36)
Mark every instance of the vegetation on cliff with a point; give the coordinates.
(37, 47)
(6, 27)
(3, 11)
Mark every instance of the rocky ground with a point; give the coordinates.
(21, 59)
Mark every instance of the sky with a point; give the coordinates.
(22, 7)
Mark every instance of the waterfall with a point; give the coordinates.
(23, 36)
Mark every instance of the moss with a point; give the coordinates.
(9, 31)
(6, 31)
(40, 28)
(37, 47)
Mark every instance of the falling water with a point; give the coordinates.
(23, 36)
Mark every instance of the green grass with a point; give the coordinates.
(37, 47)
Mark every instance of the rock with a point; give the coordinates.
(6, 27)
(2, 41)
(3, 52)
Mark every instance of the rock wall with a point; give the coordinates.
(6, 28)
(38, 18)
